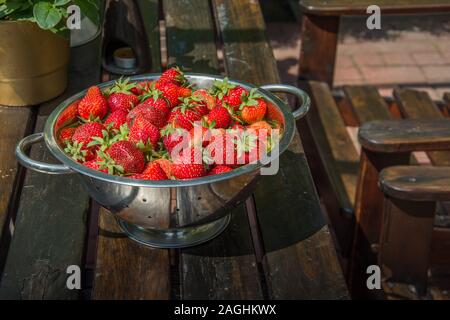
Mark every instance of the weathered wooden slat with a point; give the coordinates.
(405, 135)
(150, 17)
(446, 108)
(125, 269)
(190, 36)
(338, 172)
(405, 241)
(359, 7)
(50, 227)
(319, 47)
(226, 267)
(337, 151)
(418, 105)
(367, 103)
(14, 124)
(416, 183)
(297, 242)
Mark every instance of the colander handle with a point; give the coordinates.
(35, 165)
(302, 95)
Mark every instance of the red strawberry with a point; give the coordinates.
(94, 164)
(205, 97)
(219, 169)
(184, 92)
(262, 126)
(121, 97)
(188, 164)
(166, 165)
(93, 105)
(143, 130)
(173, 75)
(200, 136)
(234, 97)
(141, 87)
(123, 157)
(229, 93)
(222, 149)
(150, 113)
(253, 107)
(68, 116)
(152, 171)
(84, 133)
(185, 119)
(116, 119)
(160, 104)
(172, 92)
(66, 135)
(122, 101)
(173, 136)
(219, 117)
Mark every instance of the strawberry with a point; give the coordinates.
(166, 166)
(172, 136)
(121, 97)
(93, 105)
(116, 119)
(219, 169)
(172, 92)
(87, 131)
(68, 116)
(203, 96)
(161, 105)
(150, 113)
(141, 87)
(94, 164)
(200, 136)
(184, 117)
(122, 157)
(222, 149)
(173, 75)
(248, 147)
(219, 117)
(122, 101)
(152, 171)
(188, 164)
(253, 107)
(66, 134)
(228, 93)
(144, 131)
(260, 125)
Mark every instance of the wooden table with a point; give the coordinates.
(277, 246)
(320, 28)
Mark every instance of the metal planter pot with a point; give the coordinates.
(33, 66)
(142, 208)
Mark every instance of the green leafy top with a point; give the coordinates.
(250, 100)
(48, 15)
(221, 88)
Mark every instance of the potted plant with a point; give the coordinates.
(34, 48)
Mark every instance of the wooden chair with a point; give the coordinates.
(354, 206)
(408, 193)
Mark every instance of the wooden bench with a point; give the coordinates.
(354, 209)
(320, 28)
(411, 193)
(278, 244)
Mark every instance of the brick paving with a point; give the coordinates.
(410, 51)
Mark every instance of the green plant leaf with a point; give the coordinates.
(47, 16)
(7, 8)
(59, 3)
(90, 9)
